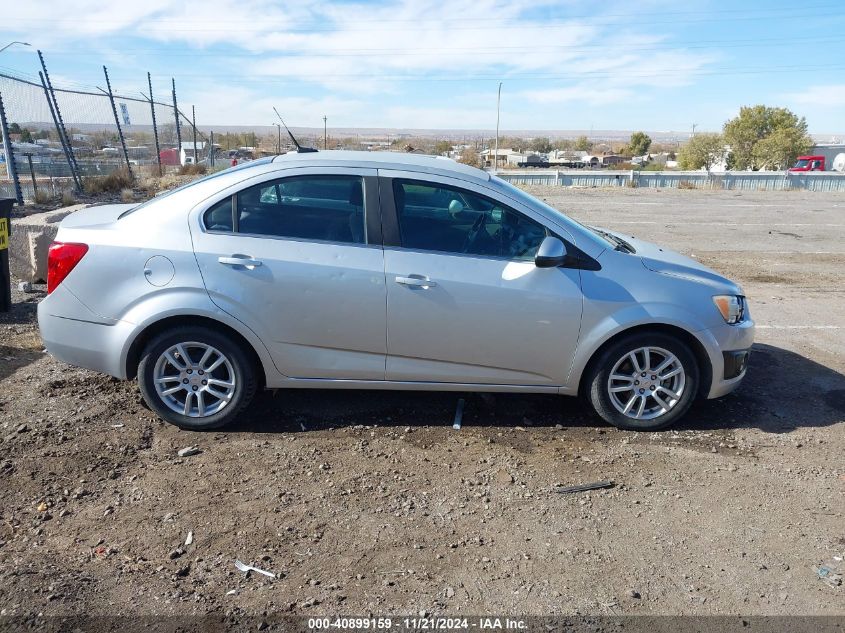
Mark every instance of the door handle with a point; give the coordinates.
(416, 281)
(240, 260)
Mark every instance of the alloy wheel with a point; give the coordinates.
(646, 383)
(194, 379)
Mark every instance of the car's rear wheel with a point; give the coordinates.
(644, 382)
(196, 378)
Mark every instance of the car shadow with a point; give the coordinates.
(782, 391)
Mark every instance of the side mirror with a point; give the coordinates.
(551, 254)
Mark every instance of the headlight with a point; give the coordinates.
(731, 307)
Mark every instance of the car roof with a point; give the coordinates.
(401, 161)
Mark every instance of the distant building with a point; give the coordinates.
(611, 160)
(186, 152)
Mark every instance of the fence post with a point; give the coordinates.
(11, 167)
(211, 150)
(32, 175)
(76, 183)
(176, 116)
(194, 124)
(117, 123)
(155, 128)
(60, 126)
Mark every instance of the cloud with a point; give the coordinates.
(827, 96)
(414, 54)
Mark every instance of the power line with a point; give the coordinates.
(789, 12)
(625, 72)
(368, 52)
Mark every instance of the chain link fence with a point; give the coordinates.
(62, 139)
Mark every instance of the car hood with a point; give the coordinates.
(668, 262)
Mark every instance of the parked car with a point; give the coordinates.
(374, 270)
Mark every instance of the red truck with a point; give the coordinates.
(823, 158)
(809, 163)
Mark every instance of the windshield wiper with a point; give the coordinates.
(621, 245)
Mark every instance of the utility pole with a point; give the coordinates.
(498, 103)
(325, 133)
(694, 125)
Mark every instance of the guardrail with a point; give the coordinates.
(742, 180)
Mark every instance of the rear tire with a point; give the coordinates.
(196, 378)
(643, 382)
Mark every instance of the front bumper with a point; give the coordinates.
(729, 347)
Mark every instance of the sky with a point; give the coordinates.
(651, 64)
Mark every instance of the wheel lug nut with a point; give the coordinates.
(642, 390)
(652, 387)
(200, 372)
(185, 381)
(653, 377)
(643, 374)
(191, 371)
(194, 387)
(205, 382)
(636, 382)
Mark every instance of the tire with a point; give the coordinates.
(168, 383)
(618, 361)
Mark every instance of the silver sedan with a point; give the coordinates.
(383, 271)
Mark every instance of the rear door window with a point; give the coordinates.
(325, 208)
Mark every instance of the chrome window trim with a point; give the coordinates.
(357, 172)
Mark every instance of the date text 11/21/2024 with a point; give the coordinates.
(417, 624)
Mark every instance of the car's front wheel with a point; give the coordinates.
(643, 382)
(196, 378)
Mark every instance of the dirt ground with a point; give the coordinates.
(370, 503)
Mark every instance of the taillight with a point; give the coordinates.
(61, 259)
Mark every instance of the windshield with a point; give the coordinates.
(222, 172)
(802, 163)
(530, 200)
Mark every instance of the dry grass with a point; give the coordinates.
(42, 197)
(68, 199)
(686, 184)
(115, 182)
(127, 195)
(192, 170)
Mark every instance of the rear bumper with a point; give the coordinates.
(78, 337)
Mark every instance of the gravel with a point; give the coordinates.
(728, 513)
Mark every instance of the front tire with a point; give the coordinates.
(196, 378)
(644, 382)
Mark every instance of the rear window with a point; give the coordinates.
(224, 172)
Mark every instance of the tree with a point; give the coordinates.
(469, 157)
(755, 124)
(703, 150)
(541, 144)
(780, 149)
(583, 144)
(442, 147)
(639, 144)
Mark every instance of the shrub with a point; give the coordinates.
(127, 195)
(42, 197)
(115, 182)
(686, 184)
(68, 199)
(192, 170)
